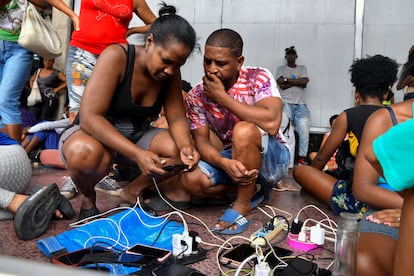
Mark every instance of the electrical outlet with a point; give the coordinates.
(182, 245)
(265, 233)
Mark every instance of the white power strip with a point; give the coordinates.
(260, 236)
(182, 245)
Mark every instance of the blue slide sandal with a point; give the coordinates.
(233, 217)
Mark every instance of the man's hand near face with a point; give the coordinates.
(213, 87)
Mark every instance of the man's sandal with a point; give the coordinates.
(232, 217)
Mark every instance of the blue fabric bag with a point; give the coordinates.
(119, 232)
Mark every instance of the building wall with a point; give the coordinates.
(328, 34)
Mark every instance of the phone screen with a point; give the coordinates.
(175, 167)
(149, 251)
(280, 252)
(83, 256)
(239, 253)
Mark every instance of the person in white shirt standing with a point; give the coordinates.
(292, 80)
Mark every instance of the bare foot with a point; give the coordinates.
(128, 197)
(58, 214)
(285, 185)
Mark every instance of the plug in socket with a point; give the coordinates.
(182, 245)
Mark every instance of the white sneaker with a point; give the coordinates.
(108, 185)
(69, 189)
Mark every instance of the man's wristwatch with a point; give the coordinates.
(285, 79)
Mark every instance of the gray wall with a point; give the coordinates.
(328, 35)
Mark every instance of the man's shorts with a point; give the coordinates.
(275, 164)
(342, 199)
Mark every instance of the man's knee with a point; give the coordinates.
(246, 133)
(195, 182)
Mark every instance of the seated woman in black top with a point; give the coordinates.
(128, 87)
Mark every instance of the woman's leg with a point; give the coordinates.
(15, 71)
(15, 176)
(49, 107)
(87, 161)
(315, 182)
(160, 142)
(79, 66)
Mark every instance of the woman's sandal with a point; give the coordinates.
(33, 216)
(65, 207)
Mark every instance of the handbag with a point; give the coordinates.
(345, 161)
(34, 97)
(39, 35)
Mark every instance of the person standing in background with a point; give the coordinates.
(110, 21)
(51, 82)
(16, 61)
(292, 80)
(406, 78)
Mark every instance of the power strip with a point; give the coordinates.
(182, 245)
(266, 233)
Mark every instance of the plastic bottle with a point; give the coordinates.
(346, 242)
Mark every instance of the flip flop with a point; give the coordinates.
(285, 188)
(156, 203)
(33, 216)
(232, 217)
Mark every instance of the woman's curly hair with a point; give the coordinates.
(372, 76)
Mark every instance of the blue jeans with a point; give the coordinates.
(15, 65)
(79, 66)
(299, 114)
(275, 164)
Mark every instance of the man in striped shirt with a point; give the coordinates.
(242, 106)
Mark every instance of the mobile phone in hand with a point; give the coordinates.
(149, 251)
(180, 167)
